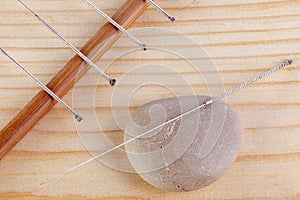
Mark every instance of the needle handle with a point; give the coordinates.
(42, 103)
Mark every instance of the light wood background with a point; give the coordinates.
(242, 37)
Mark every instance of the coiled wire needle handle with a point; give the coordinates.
(171, 18)
(112, 82)
(203, 105)
(113, 22)
(42, 85)
(71, 72)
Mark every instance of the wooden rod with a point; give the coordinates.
(65, 79)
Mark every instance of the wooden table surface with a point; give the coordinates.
(242, 37)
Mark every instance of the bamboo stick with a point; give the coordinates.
(65, 79)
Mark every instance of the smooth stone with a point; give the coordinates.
(186, 154)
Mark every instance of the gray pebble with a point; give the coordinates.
(189, 153)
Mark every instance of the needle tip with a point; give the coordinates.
(112, 82)
(45, 182)
(52, 179)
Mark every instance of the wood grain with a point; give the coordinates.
(65, 79)
(242, 38)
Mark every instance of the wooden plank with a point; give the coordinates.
(243, 38)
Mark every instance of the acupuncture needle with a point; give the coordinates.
(208, 102)
(113, 22)
(112, 82)
(171, 18)
(42, 85)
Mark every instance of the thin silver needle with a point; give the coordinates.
(77, 117)
(129, 35)
(86, 59)
(171, 18)
(286, 63)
